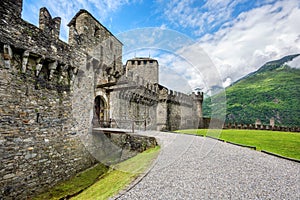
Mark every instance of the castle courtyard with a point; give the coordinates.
(192, 167)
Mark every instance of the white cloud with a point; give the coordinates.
(269, 31)
(227, 82)
(174, 72)
(255, 37)
(295, 63)
(174, 81)
(179, 74)
(101, 10)
(202, 16)
(242, 44)
(203, 72)
(163, 26)
(178, 53)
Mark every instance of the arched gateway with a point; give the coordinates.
(100, 118)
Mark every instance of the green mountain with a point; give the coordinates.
(273, 91)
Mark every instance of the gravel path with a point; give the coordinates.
(191, 167)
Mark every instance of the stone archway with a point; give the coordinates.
(100, 118)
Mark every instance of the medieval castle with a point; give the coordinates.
(52, 92)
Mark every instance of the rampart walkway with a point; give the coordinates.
(191, 167)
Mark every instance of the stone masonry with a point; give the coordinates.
(138, 97)
(54, 93)
(38, 142)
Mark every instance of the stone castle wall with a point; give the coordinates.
(38, 138)
(149, 106)
(48, 92)
(38, 147)
(181, 110)
(88, 35)
(133, 100)
(47, 95)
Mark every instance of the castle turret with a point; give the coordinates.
(89, 35)
(47, 24)
(198, 100)
(162, 108)
(146, 68)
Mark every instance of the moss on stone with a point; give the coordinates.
(76, 184)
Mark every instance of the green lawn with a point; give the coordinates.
(283, 143)
(121, 176)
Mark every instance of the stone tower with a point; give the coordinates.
(47, 24)
(89, 35)
(146, 68)
(198, 100)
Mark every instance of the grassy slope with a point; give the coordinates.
(123, 174)
(270, 93)
(98, 182)
(283, 143)
(75, 184)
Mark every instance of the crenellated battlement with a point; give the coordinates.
(180, 98)
(29, 49)
(197, 96)
(49, 88)
(26, 38)
(87, 36)
(47, 24)
(164, 93)
(141, 86)
(144, 67)
(38, 67)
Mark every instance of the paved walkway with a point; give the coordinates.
(191, 167)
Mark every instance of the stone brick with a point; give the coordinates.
(52, 92)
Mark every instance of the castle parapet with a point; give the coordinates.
(38, 66)
(37, 52)
(197, 96)
(47, 24)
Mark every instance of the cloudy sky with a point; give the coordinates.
(217, 41)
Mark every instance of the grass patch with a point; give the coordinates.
(120, 176)
(286, 144)
(76, 184)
